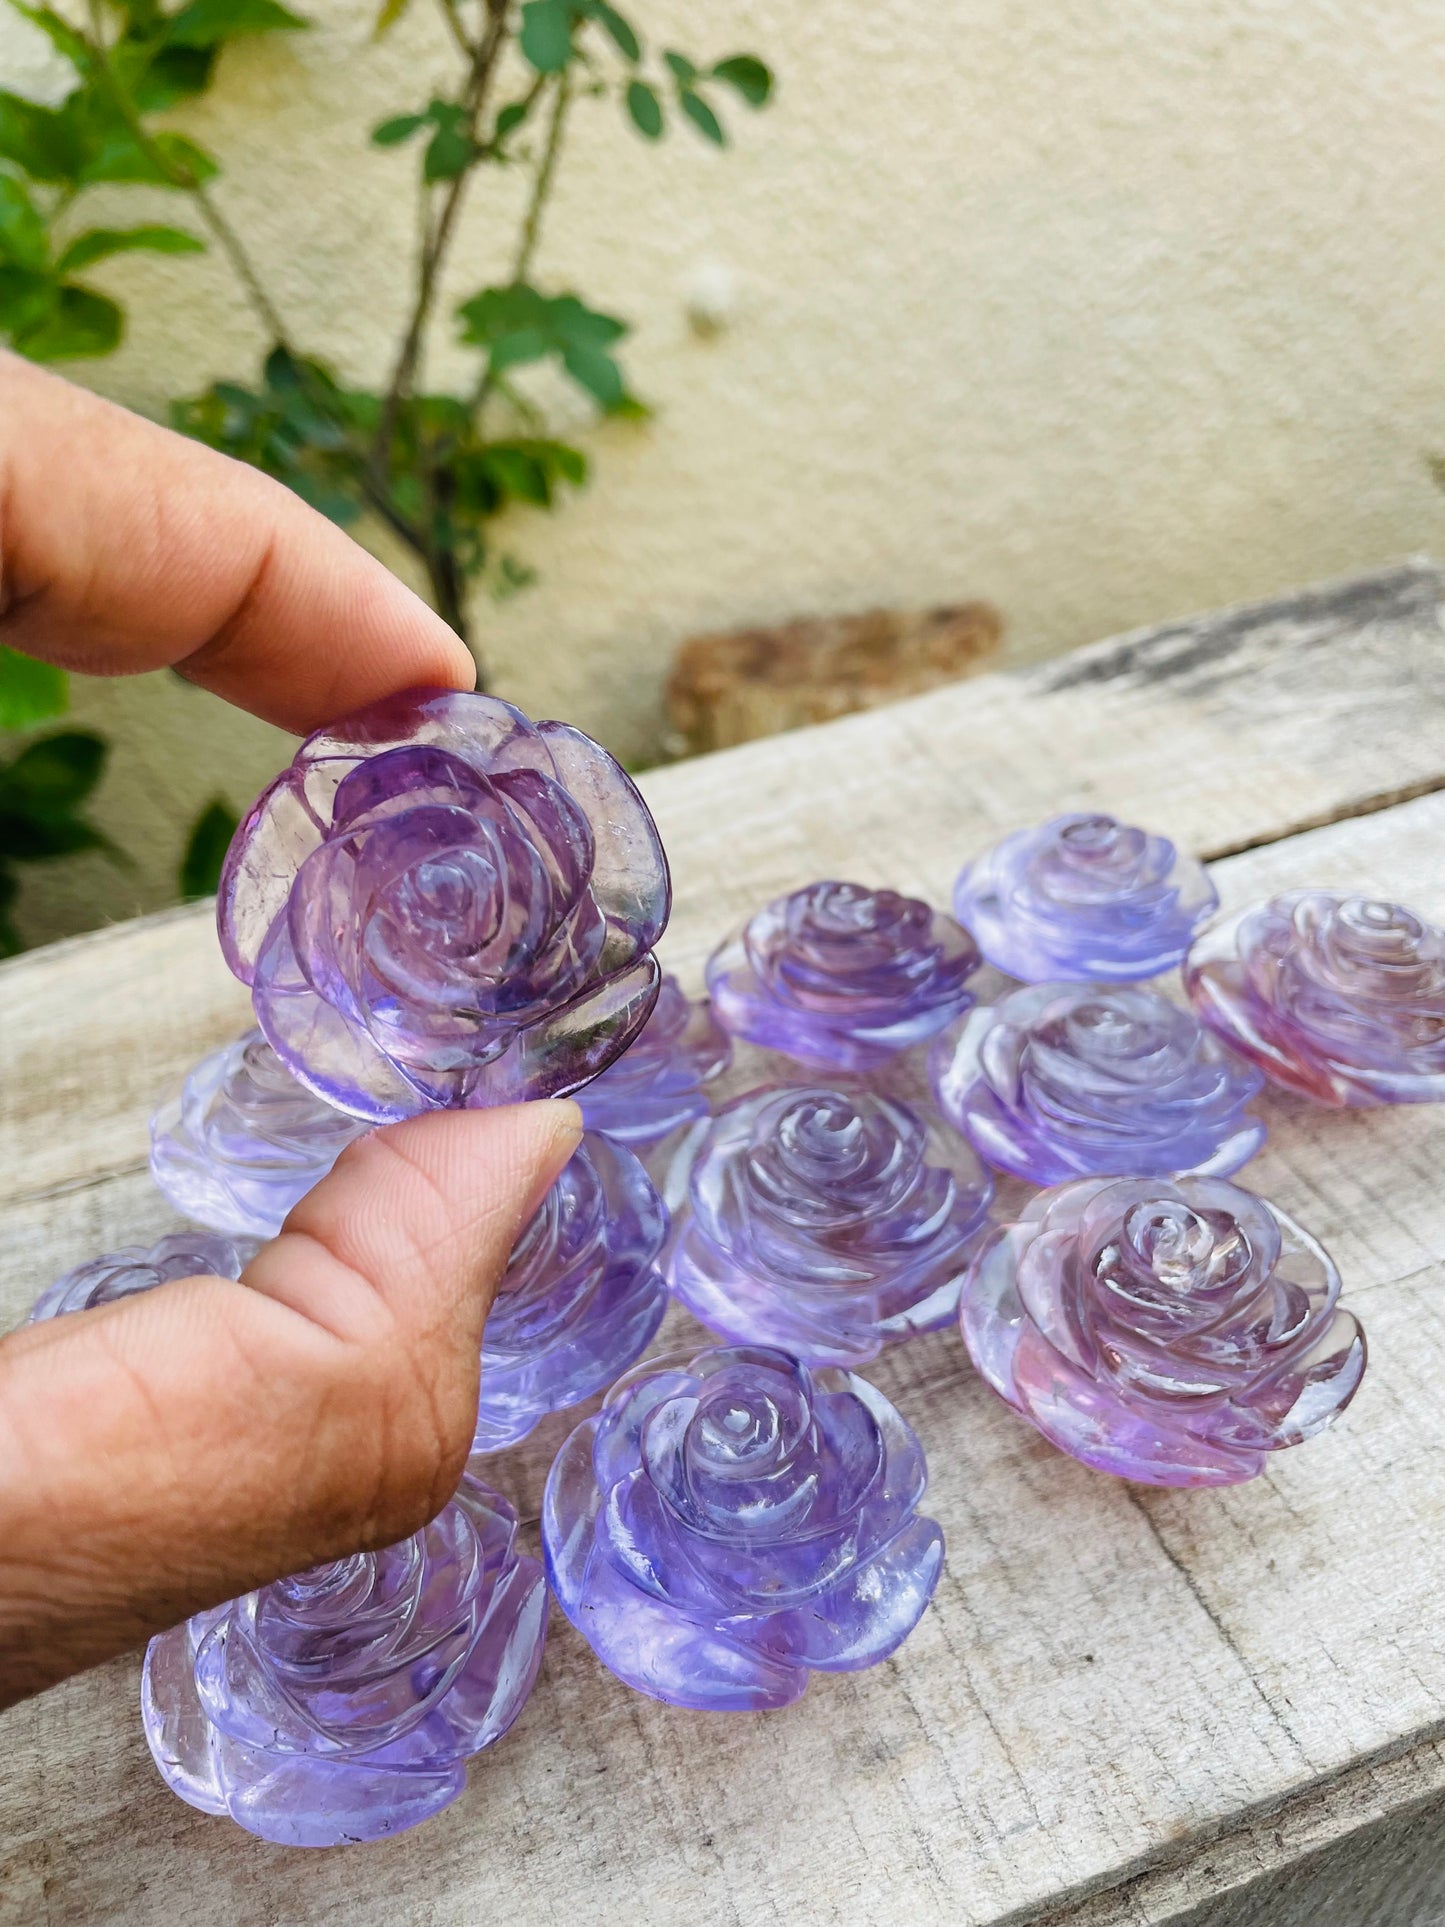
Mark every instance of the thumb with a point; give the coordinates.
(180, 1447)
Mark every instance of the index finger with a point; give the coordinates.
(125, 547)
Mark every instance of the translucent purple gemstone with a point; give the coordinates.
(1060, 1081)
(1339, 998)
(582, 1296)
(442, 904)
(242, 1141)
(840, 975)
(731, 1522)
(657, 1083)
(1170, 1332)
(1083, 897)
(343, 1704)
(828, 1223)
(136, 1268)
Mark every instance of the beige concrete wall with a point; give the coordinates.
(1105, 309)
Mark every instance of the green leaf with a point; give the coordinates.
(598, 373)
(27, 298)
(702, 116)
(391, 12)
(54, 774)
(681, 66)
(82, 326)
(206, 849)
(173, 162)
(623, 38)
(23, 239)
(167, 76)
(45, 141)
(746, 75)
(99, 242)
(401, 127)
(546, 36)
(509, 119)
(645, 109)
(206, 23)
(11, 943)
(38, 839)
(450, 150)
(30, 691)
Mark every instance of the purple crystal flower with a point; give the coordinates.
(134, 1268)
(242, 1141)
(582, 1297)
(656, 1084)
(1339, 998)
(1169, 1332)
(837, 974)
(1062, 1081)
(828, 1223)
(343, 1704)
(440, 903)
(731, 1522)
(1083, 897)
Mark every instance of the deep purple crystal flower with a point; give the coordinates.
(582, 1296)
(837, 974)
(827, 1222)
(1083, 897)
(137, 1268)
(242, 1141)
(1060, 1081)
(1169, 1332)
(731, 1522)
(343, 1704)
(656, 1084)
(440, 903)
(1339, 998)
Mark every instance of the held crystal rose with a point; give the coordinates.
(1339, 998)
(729, 1523)
(582, 1296)
(440, 903)
(656, 1084)
(1083, 897)
(1169, 1332)
(828, 1223)
(243, 1141)
(837, 974)
(134, 1268)
(343, 1704)
(1060, 1081)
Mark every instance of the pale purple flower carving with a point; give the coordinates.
(137, 1268)
(242, 1141)
(731, 1522)
(440, 903)
(343, 1704)
(1083, 898)
(1170, 1332)
(582, 1296)
(657, 1083)
(1060, 1081)
(837, 974)
(827, 1222)
(1339, 998)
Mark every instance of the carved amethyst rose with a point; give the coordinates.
(657, 1083)
(1169, 1332)
(731, 1522)
(828, 1223)
(440, 903)
(242, 1141)
(582, 1296)
(1083, 897)
(136, 1268)
(343, 1704)
(837, 974)
(1060, 1081)
(1339, 998)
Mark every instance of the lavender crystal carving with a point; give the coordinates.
(731, 1522)
(840, 975)
(440, 903)
(828, 1223)
(656, 1085)
(582, 1296)
(242, 1141)
(137, 1268)
(1339, 998)
(1170, 1332)
(1083, 897)
(1060, 1081)
(343, 1704)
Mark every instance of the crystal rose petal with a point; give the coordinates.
(273, 840)
(630, 874)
